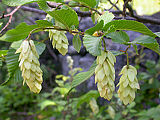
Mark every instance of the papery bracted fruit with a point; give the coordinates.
(30, 66)
(128, 84)
(105, 74)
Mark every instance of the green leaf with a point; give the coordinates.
(83, 76)
(117, 53)
(3, 53)
(90, 3)
(43, 23)
(17, 2)
(119, 37)
(92, 44)
(23, 30)
(19, 33)
(148, 42)
(16, 45)
(106, 17)
(130, 25)
(77, 43)
(58, 1)
(13, 67)
(46, 103)
(87, 97)
(110, 30)
(158, 34)
(0, 62)
(40, 47)
(97, 27)
(1, 24)
(68, 17)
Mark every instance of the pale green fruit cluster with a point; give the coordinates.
(105, 74)
(94, 106)
(59, 41)
(128, 84)
(30, 66)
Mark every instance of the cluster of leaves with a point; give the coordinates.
(68, 17)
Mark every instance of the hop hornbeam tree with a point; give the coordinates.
(62, 17)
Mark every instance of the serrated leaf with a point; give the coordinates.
(23, 30)
(106, 17)
(13, 67)
(148, 42)
(43, 23)
(19, 33)
(92, 44)
(97, 27)
(3, 53)
(77, 42)
(40, 47)
(83, 76)
(17, 2)
(87, 97)
(119, 37)
(93, 18)
(158, 34)
(90, 3)
(117, 53)
(130, 25)
(68, 17)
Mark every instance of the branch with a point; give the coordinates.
(113, 5)
(10, 15)
(25, 8)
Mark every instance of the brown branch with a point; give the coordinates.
(25, 8)
(10, 15)
(113, 5)
(124, 7)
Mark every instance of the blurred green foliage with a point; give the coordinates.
(17, 102)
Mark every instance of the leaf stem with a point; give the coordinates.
(55, 28)
(127, 55)
(104, 43)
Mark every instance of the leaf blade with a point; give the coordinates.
(130, 25)
(92, 44)
(83, 76)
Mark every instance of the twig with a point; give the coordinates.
(124, 7)
(88, 14)
(30, 9)
(113, 5)
(10, 15)
(55, 28)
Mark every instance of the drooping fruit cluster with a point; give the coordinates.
(105, 74)
(58, 38)
(128, 84)
(59, 41)
(30, 66)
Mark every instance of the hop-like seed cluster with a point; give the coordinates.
(94, 106)
(30, 66)
(128, 84)
(105, 74)
(59, 41)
